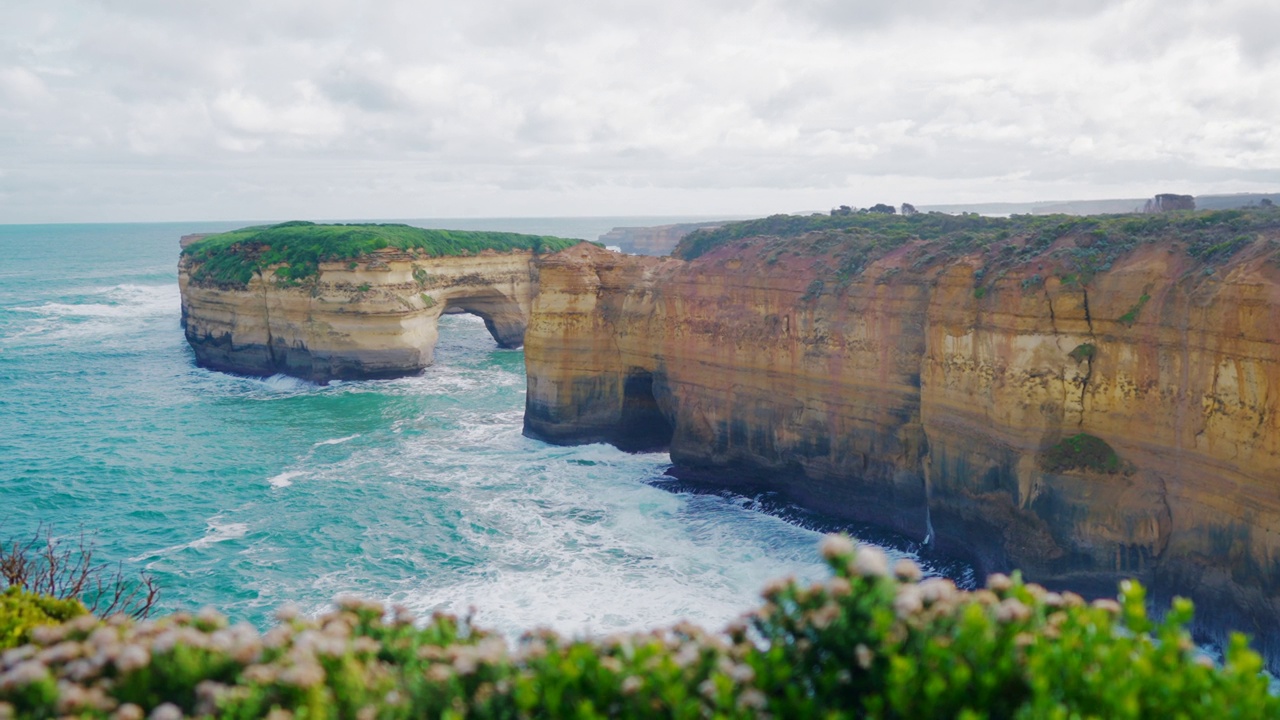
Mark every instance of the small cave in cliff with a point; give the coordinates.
(643, 426)
(502, 317)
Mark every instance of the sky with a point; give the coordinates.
(159, 110)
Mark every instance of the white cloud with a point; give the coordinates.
(304, 115)
(286, 108)
(20, 87)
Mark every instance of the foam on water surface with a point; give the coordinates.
(337, 441)
(216, 531)
(95, 313)
(285, 479)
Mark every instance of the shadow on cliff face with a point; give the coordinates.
(616, 408)
(772, 503)
(642, 425)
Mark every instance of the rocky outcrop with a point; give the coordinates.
(187, 241)
(1128, 426)
(369, 318)
(656, 240)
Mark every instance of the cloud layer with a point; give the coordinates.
(155, 110)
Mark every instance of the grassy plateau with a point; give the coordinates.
(294, 250)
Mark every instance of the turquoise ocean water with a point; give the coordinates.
(246, 493)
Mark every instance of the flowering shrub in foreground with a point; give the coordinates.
(869, 642)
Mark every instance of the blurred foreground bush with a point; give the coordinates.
(870, 642)
(20, 611)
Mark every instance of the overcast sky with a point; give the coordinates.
(122, 110)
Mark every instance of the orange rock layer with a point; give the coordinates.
(905, 398)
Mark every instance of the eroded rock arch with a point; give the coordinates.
(372, 318)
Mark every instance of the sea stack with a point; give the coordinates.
(326, 302)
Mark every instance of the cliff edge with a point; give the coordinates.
(1086, 399)
(325, 302)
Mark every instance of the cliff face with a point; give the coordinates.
(1085, 433)
(355, 319)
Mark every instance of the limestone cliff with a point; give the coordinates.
(1039, 400)
(247, 309)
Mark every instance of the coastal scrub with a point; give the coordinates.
(872, 641)
(22, 611)
(1079, 246)
(294, 250)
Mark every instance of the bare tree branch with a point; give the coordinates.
(64, 569)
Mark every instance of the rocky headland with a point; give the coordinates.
(1085, 399)
(325, 302)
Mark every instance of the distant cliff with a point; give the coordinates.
(1098, 207)
(347, 301)
(1086, 399)
(656, 240)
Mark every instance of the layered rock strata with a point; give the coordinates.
(369, 318)
(917, 397)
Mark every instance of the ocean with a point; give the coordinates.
(249, 493)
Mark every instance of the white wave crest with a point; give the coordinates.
(337, 441)
(284, 383)
(118, 301)
(215, 532)
(285, 479)
(100, 312)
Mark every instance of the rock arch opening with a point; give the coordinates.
(503, 317)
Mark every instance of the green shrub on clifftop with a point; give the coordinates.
(297, 248)
(869, 642)
(1078, 247)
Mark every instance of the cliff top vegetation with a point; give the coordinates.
(859, 238)
(294, 250)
